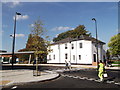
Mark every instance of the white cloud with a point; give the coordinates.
(12, 3)
(18, 35)
(63, 0)
(21, 17)
(56, 35)
(62, 28)
(31, 25)
(15, 3)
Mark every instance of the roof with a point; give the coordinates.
(9, 53)
(82, 37)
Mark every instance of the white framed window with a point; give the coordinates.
(49, 57)
(73, 57)
(72, 46)
(81, 45)
(66, 46)
(54, 56)
(79, 57)
(66, 56)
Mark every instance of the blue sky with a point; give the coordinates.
(57, 17)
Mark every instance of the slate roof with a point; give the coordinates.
(69, 39)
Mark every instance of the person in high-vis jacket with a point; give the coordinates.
(101, 69)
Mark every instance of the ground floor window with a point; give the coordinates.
(66, 56)
(79, 57)
(54, 56)
(73, 57)
(49, 57)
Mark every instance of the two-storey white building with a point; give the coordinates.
(80, 50)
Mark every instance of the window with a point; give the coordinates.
(65, 46)
(66, 56)
(79, 57)
(73, 57)
(94, 57)
(80, 45)
(72, 46)
(49, 57)
(54, 56)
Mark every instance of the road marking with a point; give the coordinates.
(90, 79)
(97, 80)
(14, 87)
(75, 77)
(117, 83)
(80, 78)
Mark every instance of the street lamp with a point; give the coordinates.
(13, 45)
(96, 38)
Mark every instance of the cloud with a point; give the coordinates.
(56, 35)
(31, 25)
(18, 35)
(62, 28)
(11, 3)
(21, 17)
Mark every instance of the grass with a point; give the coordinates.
(116, 62)
(116, 65)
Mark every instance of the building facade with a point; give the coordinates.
(78, 51)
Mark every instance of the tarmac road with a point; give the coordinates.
(72, 80)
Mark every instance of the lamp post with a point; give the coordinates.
(96, 38)
(13, 45)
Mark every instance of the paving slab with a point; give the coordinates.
(24, 76)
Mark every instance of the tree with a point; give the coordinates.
(80, 30)
(36, 42)
(39, 45)
(114, 45)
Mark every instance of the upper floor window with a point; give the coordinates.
(81, 46)
(65, 46)
(72, 46)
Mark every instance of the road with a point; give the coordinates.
(84, 78)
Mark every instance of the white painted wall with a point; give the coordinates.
(86, 52)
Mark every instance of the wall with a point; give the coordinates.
(85, 52)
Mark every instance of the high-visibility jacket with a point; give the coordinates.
(101, 67)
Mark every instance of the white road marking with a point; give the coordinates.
(14, 87)
(90, 79)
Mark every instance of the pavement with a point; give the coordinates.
(9, 77)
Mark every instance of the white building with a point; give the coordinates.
(80, 50)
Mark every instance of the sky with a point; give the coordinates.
(57, 17)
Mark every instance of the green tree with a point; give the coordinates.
(39, 45)
(80, 30)
(114, 45)
(36, 42)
